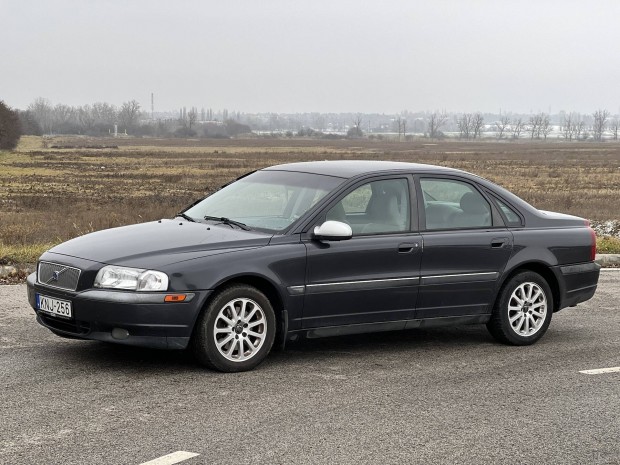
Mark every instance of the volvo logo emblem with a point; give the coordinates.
(55, 276)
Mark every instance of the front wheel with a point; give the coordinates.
(236, 330)
(523, 310)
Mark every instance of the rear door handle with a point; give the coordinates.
(499, 242)
(407, 247)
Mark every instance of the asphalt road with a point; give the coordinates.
(434, 396)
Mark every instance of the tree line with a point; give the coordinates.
(572, 126)
(98, 119)
(102, 119)
(10, 127)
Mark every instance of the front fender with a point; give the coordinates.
(282, 265)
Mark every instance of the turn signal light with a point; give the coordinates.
(175, 298)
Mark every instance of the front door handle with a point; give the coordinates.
(407, 247)
(499, 242)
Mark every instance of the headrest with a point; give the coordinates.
(474, 204)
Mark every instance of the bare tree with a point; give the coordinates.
(517, 128)
(501, 126)
(62, 116)
(464, 125)
(192, 117)
(129, 113)
(43, 114)
(545, 125)
(539, 125)
(435, 122)
(600, 123)
(357, 122)
(104, 113)
(356, 130)
(534, 126)
(30, 126)
(477, 124)
(568, 126)
(580, 126)
(398, 124)
(614, 125)
(86, 118)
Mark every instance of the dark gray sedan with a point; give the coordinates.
(320, 249)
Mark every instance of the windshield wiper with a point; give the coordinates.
(228, 222)
(186, 217)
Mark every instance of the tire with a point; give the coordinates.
(523, 310)
(235, 331)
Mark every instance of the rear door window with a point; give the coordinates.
(452, 204)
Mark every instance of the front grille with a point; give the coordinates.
(58, 276)
(73, 327)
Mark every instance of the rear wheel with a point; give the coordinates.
(523, 310)
(236, 330)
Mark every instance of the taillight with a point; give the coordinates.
(593, 247)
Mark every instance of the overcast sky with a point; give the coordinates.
(326, 56)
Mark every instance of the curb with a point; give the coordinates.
(606, 260)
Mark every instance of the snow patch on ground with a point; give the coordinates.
(606, 228)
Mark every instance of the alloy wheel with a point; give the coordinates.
(240, 329)
(527, 309)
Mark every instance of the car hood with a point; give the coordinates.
(159, 242)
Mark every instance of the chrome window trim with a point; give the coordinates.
(361, 285)
(367, 284)
(459, 277)
(459, 274)
(363, 281)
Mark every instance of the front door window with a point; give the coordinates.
(378, 207)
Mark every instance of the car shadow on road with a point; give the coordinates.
(437, 340)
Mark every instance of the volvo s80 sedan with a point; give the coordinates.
(320, 249)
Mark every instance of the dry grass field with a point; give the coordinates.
(50, 194)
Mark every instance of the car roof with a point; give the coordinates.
(352, 168)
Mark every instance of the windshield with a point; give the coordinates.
(270, 200)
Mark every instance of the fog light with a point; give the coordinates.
(120, 333)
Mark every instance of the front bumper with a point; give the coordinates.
(131, 318)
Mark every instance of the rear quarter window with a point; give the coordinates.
(511, 216)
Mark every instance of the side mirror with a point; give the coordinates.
(333, 231)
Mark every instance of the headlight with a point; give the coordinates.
(120, 277)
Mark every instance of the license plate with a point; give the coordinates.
(54, 306)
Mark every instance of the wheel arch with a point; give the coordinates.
(267, 287)
(540, 268)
